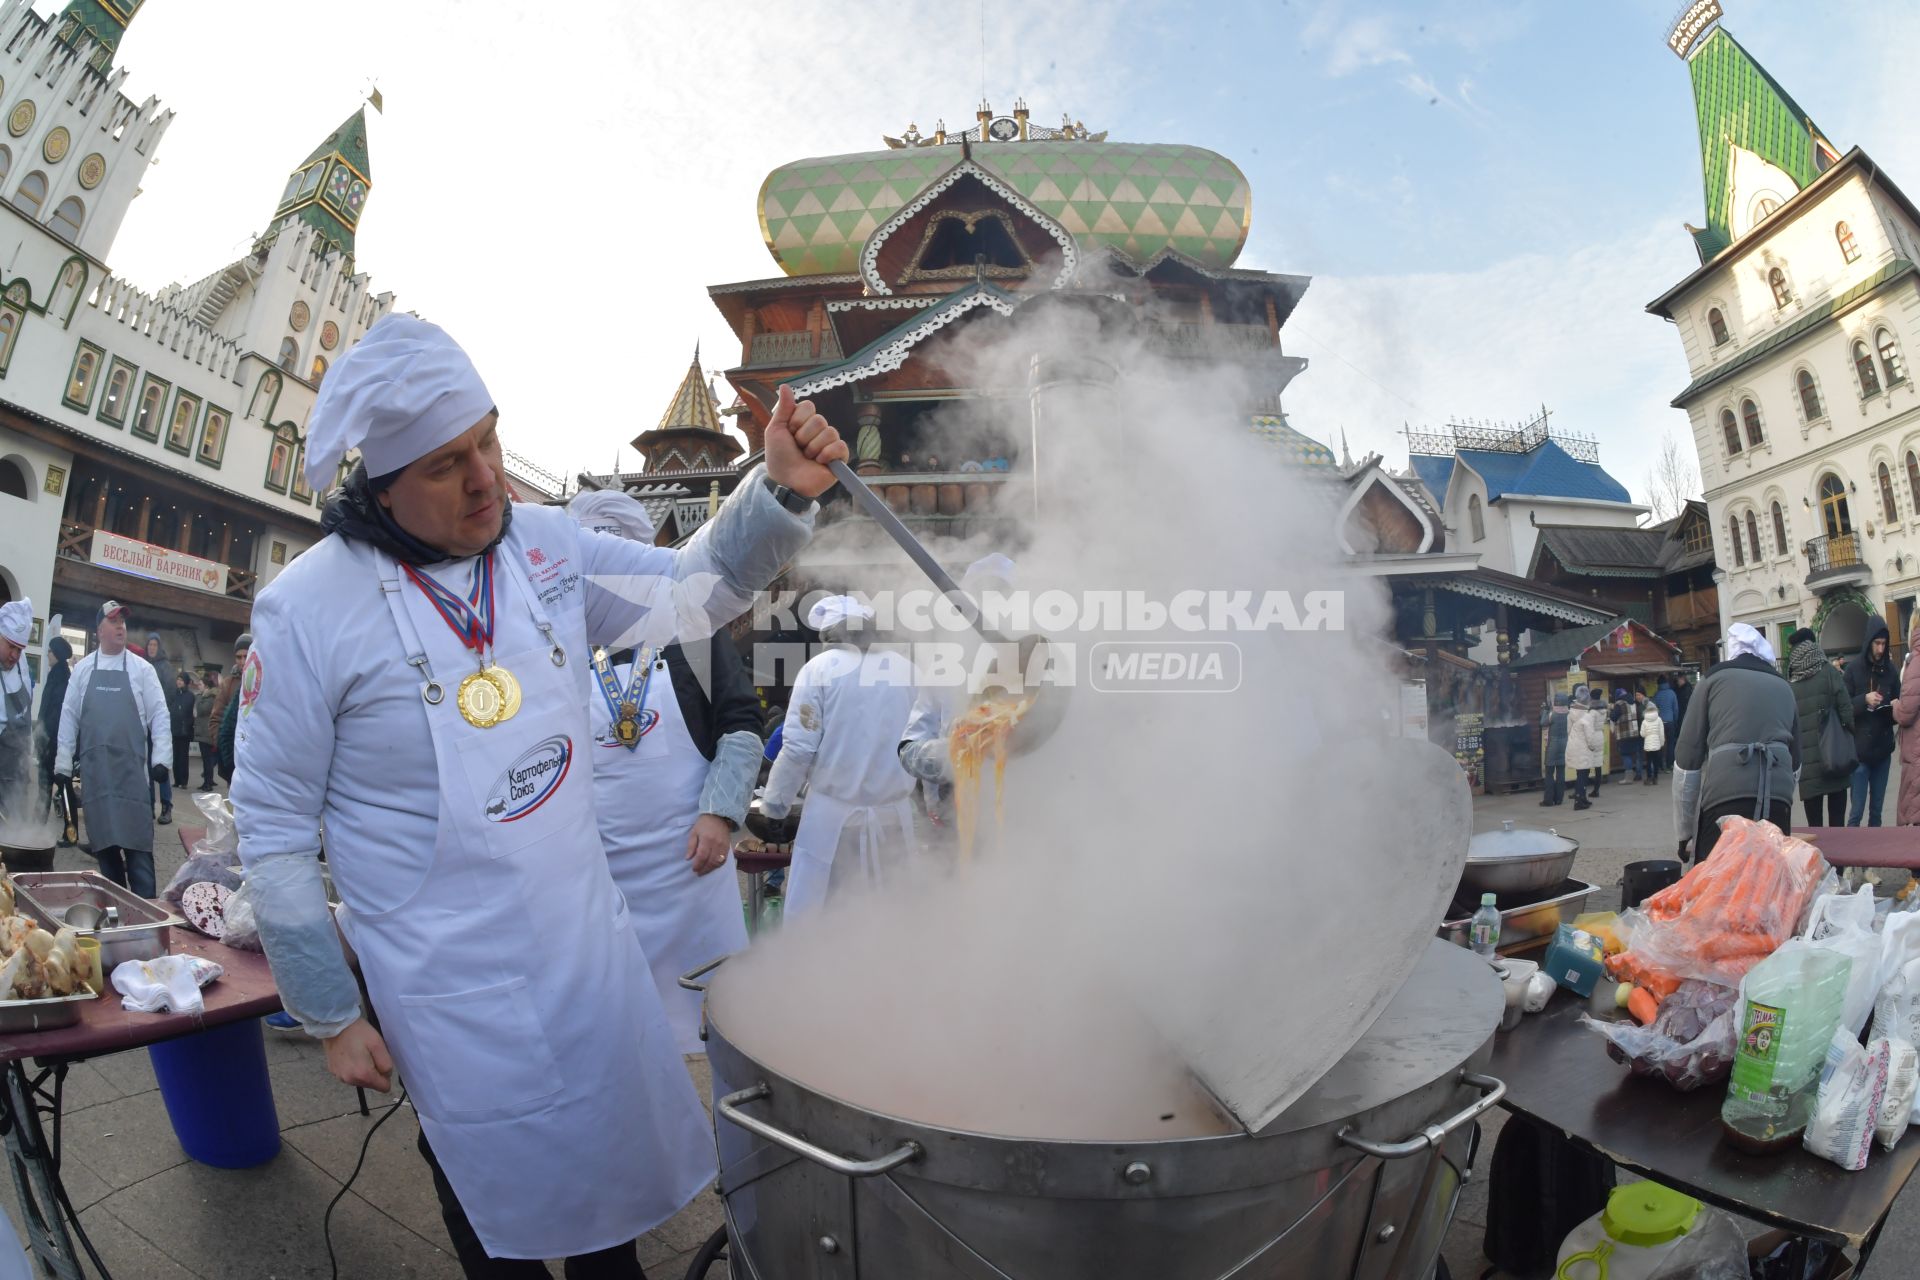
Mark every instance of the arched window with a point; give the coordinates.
(13, 479)
(1863, 369)
(113, 406)
(280, 458)
(1753, 537)
(1731, 430)
(32, 194)
(1765, 206)
(1750, 414)
(1779, 530)
(289, 352)
(6, 161)
(1477, 518)
(319, 370)
(1777, 281)
(1890, 366)
(1739, 552)
(67, 218)
(1834, 517)
(1913, 477)
(1717, 325)
(1849, 248)
(1809, 396)
(1888, 511)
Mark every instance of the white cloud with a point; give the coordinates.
(1362, 43)
(559, 186)
(1567, 330)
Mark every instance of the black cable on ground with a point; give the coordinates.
(711, 1252)
(326, 1223)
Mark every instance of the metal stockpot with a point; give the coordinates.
(1516, 860)
(1356, 1181)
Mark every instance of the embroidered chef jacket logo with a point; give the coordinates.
(251, 677)
(530, 781)
(536, 557)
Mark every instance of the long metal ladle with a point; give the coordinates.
(1044, 716)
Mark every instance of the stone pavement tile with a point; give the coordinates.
(291, 1046)
(689, 1229)
(394, 1177)
(252, 1223)
(86, 1086)
(130, 1072)
(126, 1251)
(123, 1141)
(304, 1091)
(657, 1258)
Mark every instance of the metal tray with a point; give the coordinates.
(1527, 923)
(146, 928)
(43, 1015)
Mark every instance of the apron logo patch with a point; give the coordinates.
(251, 676)
(530, 781)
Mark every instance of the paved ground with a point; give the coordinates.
(155, 1215)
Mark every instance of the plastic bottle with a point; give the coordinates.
(1643, 1224)
(1790, 1005)
(1484, 933)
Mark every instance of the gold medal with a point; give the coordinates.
(480, 701)
(509, 688)
(627, 728)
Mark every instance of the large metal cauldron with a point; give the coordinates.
(1355, 1181)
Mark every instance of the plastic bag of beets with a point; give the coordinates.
(1690, 1042)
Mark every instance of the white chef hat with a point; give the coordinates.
(994, 567)
(404, 390)
(612, 511)
(1743, 639)
(16, 620)
(836, 609)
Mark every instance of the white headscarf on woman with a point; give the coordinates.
(1743, 639)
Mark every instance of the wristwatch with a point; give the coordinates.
(797, 503)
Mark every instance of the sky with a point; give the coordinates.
(1485, 193)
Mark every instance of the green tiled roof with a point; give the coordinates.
(1738, 103)
(1819, 315)
(1138, 198)
(103, 21)
(1297, 448)
(332, 198)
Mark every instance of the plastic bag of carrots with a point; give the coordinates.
(1726, 914)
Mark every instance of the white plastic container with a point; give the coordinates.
(1642, 1226)
(1515, 974)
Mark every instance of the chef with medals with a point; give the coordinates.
(417, 689)
(677, 750)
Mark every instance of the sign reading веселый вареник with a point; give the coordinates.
(143, 559)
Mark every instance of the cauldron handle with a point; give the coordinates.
(689, 980)
(1491, 1091)
(729, 1108)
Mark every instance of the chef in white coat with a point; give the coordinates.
(841, 740)
(16, 712)
(114, 728)
(924, 748)
(676, 751)
(417, 686)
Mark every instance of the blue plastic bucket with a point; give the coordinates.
(219, 1096)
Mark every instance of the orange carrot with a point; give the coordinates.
(1643, 1006)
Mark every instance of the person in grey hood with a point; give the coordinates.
(1873, 682)
(1553, 732)
(1739, 748)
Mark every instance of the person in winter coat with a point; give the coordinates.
(1553, 734)
(1670, 698)
(1653, 735)
(1625, 717)
(1818, 691)
(1906, 714)
(53, 696)
(1739, 748)
(180, 712)
(1873, 685)
(205, 731)
(1586, 745)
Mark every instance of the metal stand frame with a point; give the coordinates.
(35, 1166)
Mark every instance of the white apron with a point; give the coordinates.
(507, 979)
(647, 799)
(840, 843)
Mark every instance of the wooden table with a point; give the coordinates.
(245, 990)
(1866, 846)
(1558, 1073)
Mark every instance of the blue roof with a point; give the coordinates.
(1434, 472)
(1544, 472)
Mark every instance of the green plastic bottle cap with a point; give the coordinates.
(1647, 1214)
(1488, 900)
